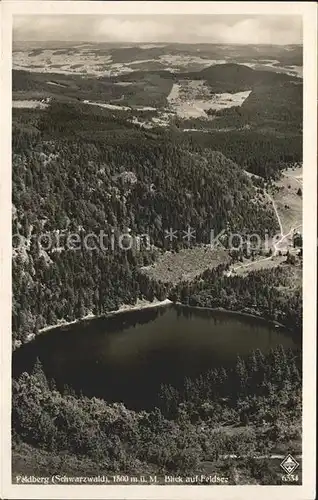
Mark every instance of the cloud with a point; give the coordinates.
(256, 31)
(132, 31)
(161, 28)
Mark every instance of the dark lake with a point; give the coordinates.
(126, 357)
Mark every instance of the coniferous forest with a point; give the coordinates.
(64, 181)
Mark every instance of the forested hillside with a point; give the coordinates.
(82, 171)
(262, 154)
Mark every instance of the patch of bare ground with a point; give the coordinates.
(29, 104)
(185, 265)
(260, 262)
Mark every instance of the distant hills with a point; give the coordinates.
(233, 77)
(288, 54)
(240, 73)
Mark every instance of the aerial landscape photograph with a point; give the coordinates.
(157, 249)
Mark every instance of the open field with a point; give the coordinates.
(173, 267)
(287, 194)
(192, 98)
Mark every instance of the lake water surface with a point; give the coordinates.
(126, 357)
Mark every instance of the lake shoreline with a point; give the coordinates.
(238, 313)
(140, 305)
(144, 304)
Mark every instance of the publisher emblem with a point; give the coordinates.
(289, 464)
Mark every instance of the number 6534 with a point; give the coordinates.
(290, 478)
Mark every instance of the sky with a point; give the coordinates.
(227, 29)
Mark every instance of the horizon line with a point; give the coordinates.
(161, 43)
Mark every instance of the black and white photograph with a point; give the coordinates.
(157, 249)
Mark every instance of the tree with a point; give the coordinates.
(241, 372)
(297, 240)
(39, 375)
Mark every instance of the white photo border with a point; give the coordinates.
(308, 11)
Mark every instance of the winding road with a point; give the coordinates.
(275, 244)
